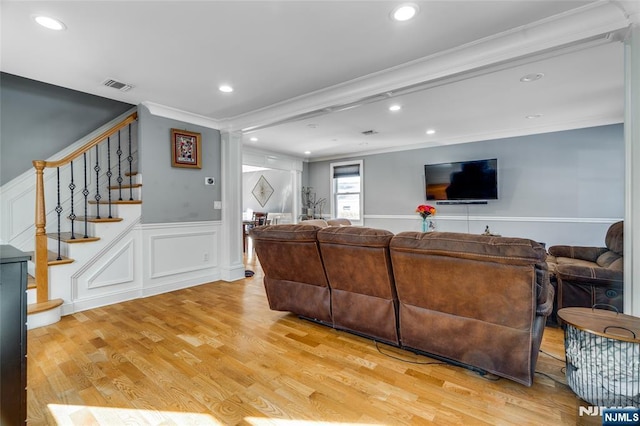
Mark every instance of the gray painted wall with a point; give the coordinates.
(570, 174)
(173, 194)
(281, 199)
(40, 119)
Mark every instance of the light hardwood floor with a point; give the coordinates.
(215, 354)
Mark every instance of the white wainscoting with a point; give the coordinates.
(149, 259)
(549, 230)
(179, 255)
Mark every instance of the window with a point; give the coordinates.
(346, 191)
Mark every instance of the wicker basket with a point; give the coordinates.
(603, 356)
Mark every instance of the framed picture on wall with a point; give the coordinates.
(186, 149)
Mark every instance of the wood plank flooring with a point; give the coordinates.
(216, 355)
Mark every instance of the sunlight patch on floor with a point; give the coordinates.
(72, 415)
(259, 421)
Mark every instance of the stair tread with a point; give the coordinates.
(94, 219)
(79, 237)
(117, 202)
(52, 258)
(34, 308)
(131, 173)
(127, 186)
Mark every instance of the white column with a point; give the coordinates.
(296, 202)
(231, 260)
(632, 169)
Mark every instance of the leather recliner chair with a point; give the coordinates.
(589, 276)
(363, 295)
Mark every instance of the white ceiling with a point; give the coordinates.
(274, 53)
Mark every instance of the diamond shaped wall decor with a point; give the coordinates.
(262, 191)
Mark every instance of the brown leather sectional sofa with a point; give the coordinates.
(475, 300)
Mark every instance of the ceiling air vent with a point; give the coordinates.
(123, 87)
(369, 132)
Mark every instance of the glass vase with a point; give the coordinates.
(427, 225)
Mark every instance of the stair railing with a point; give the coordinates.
(41, 239)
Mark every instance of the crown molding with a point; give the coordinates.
(586, 24)
(185, 116)
(479, 137)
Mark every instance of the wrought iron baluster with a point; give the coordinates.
(72, 216)
(119, 152)
(130, 160)
(85, 192)
(59, 212)
(97, 196)
(109, 174)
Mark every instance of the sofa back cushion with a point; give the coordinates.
(358, 266)
(469, 297)
(340, 221)
(294, 276)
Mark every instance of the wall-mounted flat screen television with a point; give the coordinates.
(462, 181)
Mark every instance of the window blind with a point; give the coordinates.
(346, 171)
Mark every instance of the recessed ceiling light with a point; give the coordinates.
(395, 108)
(253, 139)
(533, 116)
(307, 152)
(404, 12)
(531, 77)
(431, 132)
(51, 23)
(225, 88)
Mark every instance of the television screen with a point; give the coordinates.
(464, 180)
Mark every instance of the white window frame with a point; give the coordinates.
(332, 185)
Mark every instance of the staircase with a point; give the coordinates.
(85, 202)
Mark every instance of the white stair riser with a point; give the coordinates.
(126, 194)
(32, 296)
(43, 318)
(103, 230)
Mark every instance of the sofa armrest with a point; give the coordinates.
(577, 252)
(545, 309)
(590, 275)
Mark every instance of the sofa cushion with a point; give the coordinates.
(358, 266)
(354, 235)
(577, 262)
(479, 300)
(294, 276)
(340, 221)
(470, 246)
(316, 222)
(610, 260)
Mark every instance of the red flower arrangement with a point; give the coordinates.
(425, 210)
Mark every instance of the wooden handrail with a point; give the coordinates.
(92, 143)
(41, 243)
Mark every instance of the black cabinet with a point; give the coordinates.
(13, 336)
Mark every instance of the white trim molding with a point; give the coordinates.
(580, 231)
(179, 115)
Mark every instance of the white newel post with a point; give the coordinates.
(632, 172)
(232, 266)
